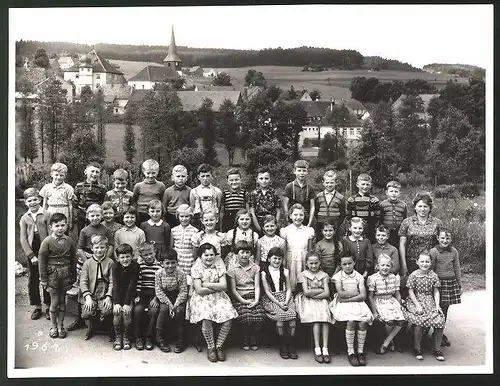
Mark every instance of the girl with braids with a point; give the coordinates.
(278, 302)
(242, 232)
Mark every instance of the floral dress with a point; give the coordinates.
(297, 241)
(266, 243)
(384, 288)
(312, 310)
(423, 286)
(217, 239)
(216, 306)
(419, 236)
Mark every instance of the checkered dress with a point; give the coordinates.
(450, 292)
(181, 237)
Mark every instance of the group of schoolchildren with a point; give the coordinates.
(187, 261)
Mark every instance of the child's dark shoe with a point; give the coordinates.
(445, 342)
(53, 332)
(353, 360)
(212, 355)
(180, 346)
(318, 358)
(284, 352)
(37, 314)
(78, 323)
(126, 343)
(139, 344)
(361, 359)
(245, 343)
(418, 355)
(118, 345)
(326, 358)
(439, 356)
(149, 344)
(62, 332)
(163, 346)
(221, 356)
(292, 353)
(253, 343)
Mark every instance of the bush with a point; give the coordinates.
(469, 189)
(266, 154)
(32, 175)
(447, 191)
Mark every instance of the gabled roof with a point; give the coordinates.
(192, 100)
(195, 68)
(172, 50)
(59, 78)
(154, 74)
(98, 63)
(120, 91)
(315, 108)
(65, 60)
(252, 91)
(425, 98)
(34, 74)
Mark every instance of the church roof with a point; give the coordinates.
(172, 50)
(154, 74)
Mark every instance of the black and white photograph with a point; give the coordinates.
(243, 190)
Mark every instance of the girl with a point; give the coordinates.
(244, 281)
(156, 230)
(242, 232)
(209, 234)
(278, 302)
(385, 300)
(312, 304)
(422, 305)
(446, 264)
(181, 236)
(299, 240)
(209, 303)
(268, 241)
(329, 248)
(348, 306)
(358, 247)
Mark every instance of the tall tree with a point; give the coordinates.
(255, 78)
(315, 94)
(26, 114)
(338, 117)
(129, 147)
(41, 58)
(206, 118)
(222, 79)
(101, 114)
(288, 120)
(228, 128)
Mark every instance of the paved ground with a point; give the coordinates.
(34, 349)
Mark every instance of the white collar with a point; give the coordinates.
(155, 224)
(33, 215)
(354, 240)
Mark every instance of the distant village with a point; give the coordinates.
(96, 72)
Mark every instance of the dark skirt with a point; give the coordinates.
(249, 315)
(450, 292)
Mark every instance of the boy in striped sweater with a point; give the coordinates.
(393, 211)
(233, 199)
(146, 298)
(329, 206)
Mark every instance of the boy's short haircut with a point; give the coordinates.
(204, 168)
(31, 192)
(358, 220)
(155, 204)
(184, 209)
(93, 164)
(171, 255)
(330, 174)
(150, 164)
(446, 230)
(393, 184)
(179, 169)
(263, 169)
(233, 171)
(94, 208)
(107, 205)
(120, 175)
(97, 239)
(364, 177)
(130, 210)
(123, 249)
(59, 167)
(56, 217)
(242, 245)
(382, 228)
(301, 164)
(147, 246)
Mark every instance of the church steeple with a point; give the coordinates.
(172, 59)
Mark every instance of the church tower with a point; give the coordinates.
(173, 60)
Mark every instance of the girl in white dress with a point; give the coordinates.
(348, 306)
(299, 240)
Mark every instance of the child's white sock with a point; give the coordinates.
(325, 351)
(317, 351)
(361, 341)
(349, 338)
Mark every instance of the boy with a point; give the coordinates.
(364, 206)
(57, 261)
(96, 284)
(171, 290)
(147, 190)
(34, 225)
(176, 195)
(125, 272)
(300, 192)
(58, 195)
(393, 211)
(85, 251)
(382, 246)
(330, 205)
(204, 196)
(146, 297)
(263, 200)
(129, 233)
(233, 199)
(87, 193)
(119, 196)
(108, 217)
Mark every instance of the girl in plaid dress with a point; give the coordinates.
(278, 302)
(446, 264)
(181, 236)
(244, 282)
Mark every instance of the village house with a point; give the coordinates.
(426, 98)
(151, 75)
(94, 71)
(65, 62)
(67, 86)
(211, 73)
(117, 95)
(196, 71)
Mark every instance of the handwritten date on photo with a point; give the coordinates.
(36, 345)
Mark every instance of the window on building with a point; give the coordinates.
(168, 64)
(98, 76)
(116, 110)
(77, 76)
(142, 86)
(351, 132)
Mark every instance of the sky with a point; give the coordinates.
(416, 34)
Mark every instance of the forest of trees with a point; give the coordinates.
(328, 58)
